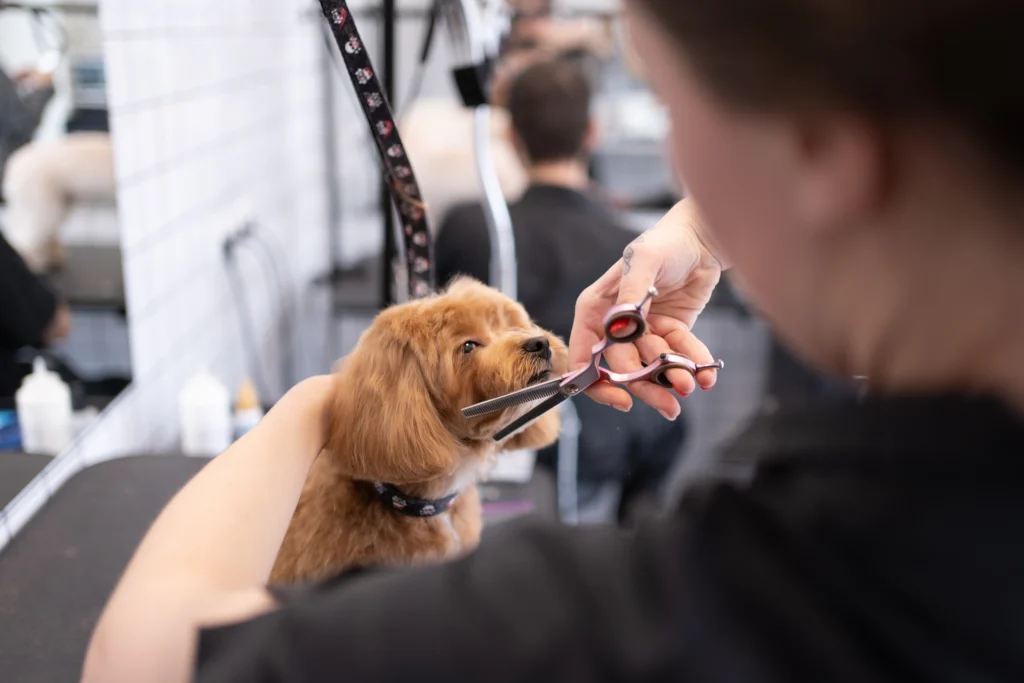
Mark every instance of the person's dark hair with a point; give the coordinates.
(549, 103)
(944, 61)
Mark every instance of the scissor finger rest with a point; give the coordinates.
(671, 361)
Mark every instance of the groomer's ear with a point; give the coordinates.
(384, 426)
(840, 172)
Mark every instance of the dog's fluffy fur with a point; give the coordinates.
(397, 419)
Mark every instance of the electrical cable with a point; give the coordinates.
(246, 326)
(285, 285)
(416, 85)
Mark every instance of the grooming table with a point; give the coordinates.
(17, 469)
(56, 575)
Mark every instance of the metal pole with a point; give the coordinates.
(388, 19)
(567, 479)
(499, 223)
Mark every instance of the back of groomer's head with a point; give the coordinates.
(549, 104)
(839, 150)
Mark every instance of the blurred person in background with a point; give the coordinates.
(23, 99)
(439, 134)
(871, 204)
(31, 315)
(565, 237)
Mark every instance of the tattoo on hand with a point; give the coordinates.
(627, 256)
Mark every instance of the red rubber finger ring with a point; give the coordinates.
(619, 325)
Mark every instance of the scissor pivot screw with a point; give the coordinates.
(572, 390)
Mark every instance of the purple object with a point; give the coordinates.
(509, 507)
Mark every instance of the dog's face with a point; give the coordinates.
(400, 394)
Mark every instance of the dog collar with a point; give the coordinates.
(412, 507)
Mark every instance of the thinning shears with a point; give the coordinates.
(623, 324)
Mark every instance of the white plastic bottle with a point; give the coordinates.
(43, 403)
(204, 407)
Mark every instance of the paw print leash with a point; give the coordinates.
(405, 190)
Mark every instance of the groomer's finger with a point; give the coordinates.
(588, 320)
(658, 397)
(651, 346)
(611, 395)
(640, 267)
(625, 359)
(585, 334)
(682, 341)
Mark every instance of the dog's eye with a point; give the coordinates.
(469, 347)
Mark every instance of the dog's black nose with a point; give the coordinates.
(538, 346)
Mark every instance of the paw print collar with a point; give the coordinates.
(412, 507)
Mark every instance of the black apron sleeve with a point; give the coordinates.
(28, 306)
(536, 601)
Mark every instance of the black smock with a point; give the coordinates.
(876, 541)
(27, 308)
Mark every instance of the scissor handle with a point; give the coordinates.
(625, 326)
(672, 361)
(625, 323)
(657, 371)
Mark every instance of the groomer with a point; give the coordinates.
(861, 165)
(30, 313)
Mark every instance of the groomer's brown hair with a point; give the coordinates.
(941, 61)
(549, 103)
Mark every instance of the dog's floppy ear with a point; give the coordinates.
(384, 425)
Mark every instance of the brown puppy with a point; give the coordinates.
(397, 420)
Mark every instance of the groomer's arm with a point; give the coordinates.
(208, 555)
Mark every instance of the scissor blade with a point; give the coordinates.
(516, 398)
(544, 407)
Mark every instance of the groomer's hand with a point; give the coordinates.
(34, 79)
(60, 327)
(675, 257)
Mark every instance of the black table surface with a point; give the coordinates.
(91, 277)
(56, 575)
(17, 469)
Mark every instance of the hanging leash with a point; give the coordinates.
(405, 191)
